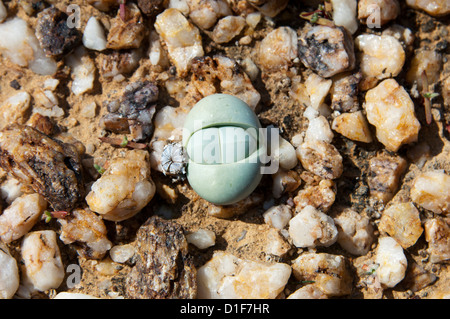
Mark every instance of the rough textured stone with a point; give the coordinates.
(402, 222)
(164, 269)
(329, 272)
(385, 172)
(55, 36)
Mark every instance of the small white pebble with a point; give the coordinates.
(10, 189)
(285, 154)
(122, 253)
(344, 14)
(83, 71)
(15, 109)
(402, 222)
(317, 88)
(94, 35)
(19, 44)
(329, 272)
(319, 130)
(381, 56)
(428, 61)
(431, 190)
(437, 234)
(183, 39)
(353, 126)
(202, 238)
(308, 292)
(19, 217)
(392, 261)
(356, 234)
(253, 19)
(228, 277)
(89, 110)
(311, 228)
(278, 216)
(436, 8)
(227, 29)
(50, 84)
(42, 265)
(278, 49)
(9, 274)
(250, 68)
(390, 109)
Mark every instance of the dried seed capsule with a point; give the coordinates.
(173, 160)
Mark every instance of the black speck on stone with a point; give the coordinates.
(14, 84)
(428, 26)
(54, 34)
(442, 46)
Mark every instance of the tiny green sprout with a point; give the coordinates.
(430, 95)
(124, 141)
(305, 282)
(48, 216)
(315, 17)
(99, 169)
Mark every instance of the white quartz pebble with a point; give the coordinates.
(284, 154)
(124, 189)
(381, 56)
(319, 130)
(278, 216)
(390, 109)
(19, 44)
(122, 253)
(227, 277)
(83, 71)
(344, 14)
(278, 49)
(94, 35)
(431, 190)
(15, 109)
(317, 88)
(18, 218)
(183, 39)
(42, 265)
(428, 61)
(437, 235)
(353, 126)
(435, 8)
(356, 233)
(202, 238)
(402, 222)
(312, 228)
(329, 272)
(9, 274)
(10, 189)
(227, 28)
(391, 260)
